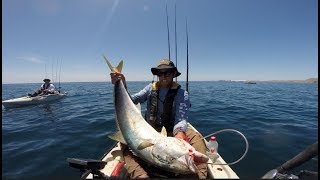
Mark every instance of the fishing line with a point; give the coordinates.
(233, 130)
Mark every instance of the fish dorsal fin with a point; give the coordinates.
(145, 144)
(117, 69)
(164, 131)
(117, 136)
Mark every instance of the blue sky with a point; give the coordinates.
(228, 39)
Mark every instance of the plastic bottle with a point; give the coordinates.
(212, 149)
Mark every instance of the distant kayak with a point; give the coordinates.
(250, 82)
(28, 100)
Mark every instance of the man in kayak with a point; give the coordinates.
(45, 88)
(167, 105)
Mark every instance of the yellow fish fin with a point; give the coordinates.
(164, 131)
(117, 136)
(145, 144)
(117, 69)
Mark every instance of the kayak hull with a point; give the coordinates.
(114, 159)
(28, 100)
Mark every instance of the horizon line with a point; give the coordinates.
(274, 80)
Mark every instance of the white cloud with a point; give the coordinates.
(31, 59)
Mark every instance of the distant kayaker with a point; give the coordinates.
(167, 105)
(45, 88)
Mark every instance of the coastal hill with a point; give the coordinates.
(310, 80)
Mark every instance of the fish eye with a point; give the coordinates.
(170, 159)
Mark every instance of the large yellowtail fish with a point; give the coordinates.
(168, 153)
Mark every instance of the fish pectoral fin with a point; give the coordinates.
(117, 69)
(117, 136)
(164, 131)
(145, 144)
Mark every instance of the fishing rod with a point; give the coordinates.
(45, 71)
(299, 159)
(56, 71)
(304, 156)
(168, 30)
(52, 72)
(187, 81)
(60, 75)
(176, 46)
(175, 31)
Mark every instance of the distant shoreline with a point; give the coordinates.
(293, 81)
(310, 80)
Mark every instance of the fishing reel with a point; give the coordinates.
(274, 174)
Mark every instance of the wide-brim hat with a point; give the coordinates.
(45, 80)
(165, 64)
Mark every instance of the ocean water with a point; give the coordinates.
(279, 120)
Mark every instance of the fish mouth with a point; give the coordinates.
(191, 164)
(194, 158)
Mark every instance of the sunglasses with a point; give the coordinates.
(165, 73)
